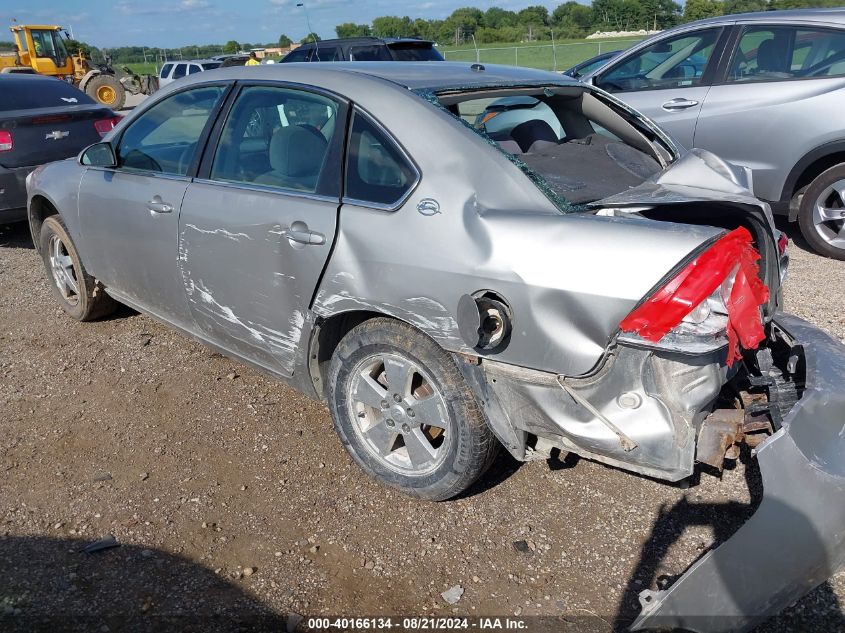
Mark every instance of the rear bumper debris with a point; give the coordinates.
(13, 193)
(796, 538)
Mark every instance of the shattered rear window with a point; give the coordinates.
(563, 205)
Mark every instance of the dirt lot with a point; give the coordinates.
(235, 504)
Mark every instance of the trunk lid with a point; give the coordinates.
(42, 135)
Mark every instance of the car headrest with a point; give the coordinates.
(525, 134)
(769, 58)
(297, 151)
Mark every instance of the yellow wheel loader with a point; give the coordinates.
(41, 49)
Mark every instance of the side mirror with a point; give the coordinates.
(98, 155)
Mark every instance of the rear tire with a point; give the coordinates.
(106, 89)
(79, 294)
(405, 413)
(825, 195)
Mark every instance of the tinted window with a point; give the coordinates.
(326, 54)
(180, 71)
(415, 53)
(19, 93)
(276, 137)
(370, 53)
(165, 137)
(194, 69)
(775, 53)
(376, 171)
(165, 70)
(676, 62)
(210, 65)
(298, 55)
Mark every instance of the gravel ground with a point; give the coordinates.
(235, 505)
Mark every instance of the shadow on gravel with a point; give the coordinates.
(794, 233)
(501, 469)
(50, 584)
(820, 610)
(15, 236)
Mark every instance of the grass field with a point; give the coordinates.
(536, 54)
(529, 54)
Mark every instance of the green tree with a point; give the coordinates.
(284, 41)
(701, 9)
(392, 26)
(232, 46)
(572, 19)
(350, 29)
(496, 18)
(73, 46)
(311, 37)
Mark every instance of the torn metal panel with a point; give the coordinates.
(641, 411)
(796, 538)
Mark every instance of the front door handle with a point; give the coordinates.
(679, 104)
(303, 235)
(156, 205)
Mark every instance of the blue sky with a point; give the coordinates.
(173, 23)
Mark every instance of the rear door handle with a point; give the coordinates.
(304, 236)
(156, 205)
(679, 104)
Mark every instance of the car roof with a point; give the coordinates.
(832, 15)
(410, 75)
(23, 77)
(365, 40)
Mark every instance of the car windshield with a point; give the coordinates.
(415, 53)
(575, 146)
(28, 93)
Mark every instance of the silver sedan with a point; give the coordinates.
(355, 230)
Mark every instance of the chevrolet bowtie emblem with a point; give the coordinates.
(56, 135)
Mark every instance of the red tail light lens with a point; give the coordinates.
(6, 141)
(104, 126)
(729, 266)
(783, 243)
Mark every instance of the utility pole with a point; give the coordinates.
(554, 51)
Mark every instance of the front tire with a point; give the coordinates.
(405, 413)
(79, 294)
(106, 89)
(821, 216)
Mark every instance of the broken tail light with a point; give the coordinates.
(104, 126)
(714, 300)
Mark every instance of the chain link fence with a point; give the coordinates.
(542, 56)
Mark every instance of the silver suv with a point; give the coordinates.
(763, 90)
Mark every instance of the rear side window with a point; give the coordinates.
(210, 65)
(326, 54)
(23, 94)
(370, 53)
(278, 137)
(298, 55)
(776, 53)
(415, 53)
(180, 71)
(377, 172)
(194, 69)
(165, 70)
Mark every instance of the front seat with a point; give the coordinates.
(296, 155)
(771, 60)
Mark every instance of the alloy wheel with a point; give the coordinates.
(399, 413)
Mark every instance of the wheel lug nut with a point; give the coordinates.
(406, 428)
(410, 413)
(390, 423)
(384, 404)
(397, 397)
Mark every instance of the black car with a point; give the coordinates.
(42, 119)
(366, 49)
(589, 65)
